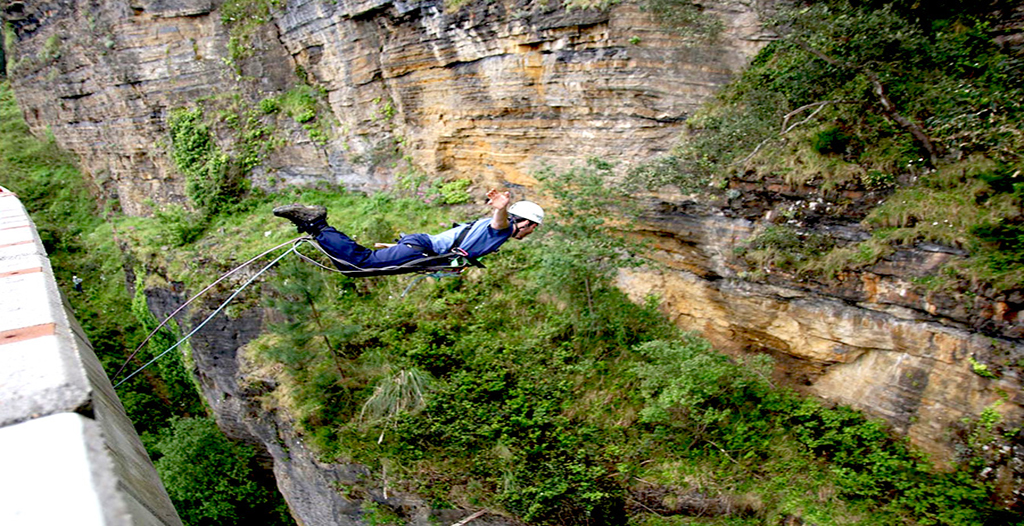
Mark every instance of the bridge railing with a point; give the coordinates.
(68, 452)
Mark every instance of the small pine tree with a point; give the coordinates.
(307, 334)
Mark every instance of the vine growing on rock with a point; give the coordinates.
(207, 169)
(243, 18)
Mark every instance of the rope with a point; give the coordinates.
(220, 308)
(309, 240)
(190, 300)
(294, 249)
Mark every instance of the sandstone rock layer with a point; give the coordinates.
(489, 91)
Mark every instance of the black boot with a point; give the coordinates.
(308, 219)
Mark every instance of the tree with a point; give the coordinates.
(582, 252)
(211, 480)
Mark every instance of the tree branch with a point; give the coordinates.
(471, 518)
(888, 107)
(820, 106)
(783, 129)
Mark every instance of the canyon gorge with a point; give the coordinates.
(492, 91)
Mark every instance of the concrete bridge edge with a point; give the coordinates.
(68, 452)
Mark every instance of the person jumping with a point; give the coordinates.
(474, 240)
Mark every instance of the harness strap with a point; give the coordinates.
(447, 263)
(453, 254)
(461, 237)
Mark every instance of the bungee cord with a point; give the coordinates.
(296, 242)
(190, 300)
(210, 317)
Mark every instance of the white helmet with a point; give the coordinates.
(527, 210)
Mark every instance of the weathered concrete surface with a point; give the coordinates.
(69, 453)
(57, 471)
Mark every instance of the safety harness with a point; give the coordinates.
(453, 261)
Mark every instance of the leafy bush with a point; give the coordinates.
(179, 226)
(209, 179)
(454, 192)
(270, 105)
(686, 382)
(211, 480)
(830, 141)
(581, 253)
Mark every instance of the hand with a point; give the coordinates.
(498, 200)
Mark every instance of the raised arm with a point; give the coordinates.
(499, 202)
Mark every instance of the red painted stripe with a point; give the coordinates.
(27, 333)
(19, 272)
(17, 243)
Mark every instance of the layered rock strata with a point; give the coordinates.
(489, 91)
(875, 340)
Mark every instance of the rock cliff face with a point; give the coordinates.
(877, 341)
(489, 91)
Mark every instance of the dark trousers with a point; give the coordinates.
(342, 247)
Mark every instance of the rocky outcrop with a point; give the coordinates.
(875, 340)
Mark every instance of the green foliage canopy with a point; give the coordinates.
(211, 479)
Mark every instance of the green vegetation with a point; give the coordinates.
(243, 18)
(783, 247)
(533, 387)
(536, 388)
(51, 49)
(914, 101)
(305, 105)
(81, 242)
(683, 17)
(455, 192)
(217, 177)
(211, 479)
(196, 155)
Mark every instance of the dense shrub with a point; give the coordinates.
(211, 480)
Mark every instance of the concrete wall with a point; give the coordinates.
(68, 453)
